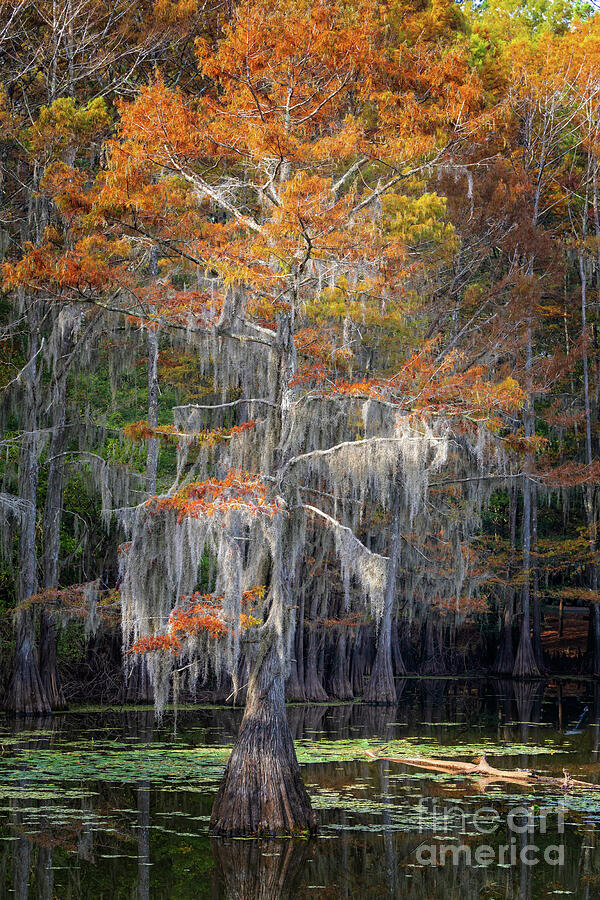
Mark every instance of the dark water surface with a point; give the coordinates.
(107, 804)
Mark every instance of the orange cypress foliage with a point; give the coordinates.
(239, 490)
(299, 95)
(199, 613)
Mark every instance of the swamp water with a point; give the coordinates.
(107, 804)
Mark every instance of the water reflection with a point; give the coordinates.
(130, 832)
(257, 870)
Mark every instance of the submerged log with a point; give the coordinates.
(482, 769)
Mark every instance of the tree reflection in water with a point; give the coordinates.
(260, 870)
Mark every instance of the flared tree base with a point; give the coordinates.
(313, 688)
(340, 689)
(294, 689)
(57, 701)
(525, 664)
(262, 792)
(294, 693)
(381, 687)
(25, 695)
(339, 686)
(48, 666)
(53, 687)
(505, 657)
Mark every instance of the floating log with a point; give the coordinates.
(481, 769)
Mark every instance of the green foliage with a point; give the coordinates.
(421, 222)
(529, 17)
(64, 124)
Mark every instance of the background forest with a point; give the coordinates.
(358, 245)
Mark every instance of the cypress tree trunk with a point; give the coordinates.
(358, 661)
(431, 663)
(313, 685)
(295, 684)
(299, 640)
(536, 609)
(397, 658)
(25, 693)
(321, 658)
(525, 664)
(152, 458)
(48, 664)
(538, 649)
(139, 686)
(262, 791)
(594, 639)
(339, 682)
(52, 522)
(294, 690)
(589, 492)
(505, 657)
(381, 687)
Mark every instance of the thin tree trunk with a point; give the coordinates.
(52, 523)
(397, 659)
(25, 693)
(561, 614)
(300, 640)
(538, 650)
(152, 458)
(586, 377)
(589, 493)
(295, 684)
(381, 687)
(505, 658)
(525, 664)
(594, 635)
(138, 683)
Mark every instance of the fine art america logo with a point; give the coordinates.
(458, 837)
